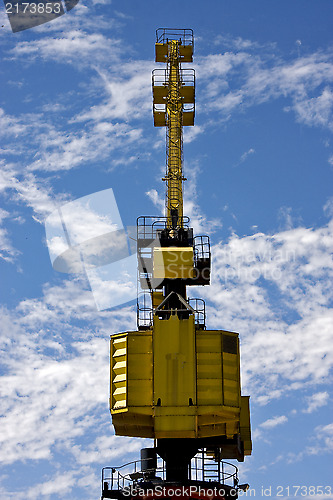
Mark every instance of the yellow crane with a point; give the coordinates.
(173, 380)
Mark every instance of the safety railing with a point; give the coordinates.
(149, 227)
(145, 311)
(185, 36)
(199, 307)
(203, 468)
(201, 248)
(160, 77)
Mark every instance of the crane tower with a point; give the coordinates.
(172, 379)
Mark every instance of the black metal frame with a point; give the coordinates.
(185, 36)
(203, 471)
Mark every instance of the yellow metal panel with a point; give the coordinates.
(209, 341)
(133, 423)
(161, 52)
(159, 119)
(209, 392)
(209, 365)
(209, 369)
(187, 93)
(245, 425)
(186, 53)
(231, 379)
(139, 393)
(188, 118)
(118, 397)
(138, 368)
(175, 421)
(131, 396)
(174, 362)
(157, 298)
(218, 379)
(173, 262)
(160, 93)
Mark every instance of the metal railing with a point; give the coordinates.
(149, 227)
(199, 306)
(201, 247)
(185, 36)
(203, 468)
(145, 311)
(160, 77)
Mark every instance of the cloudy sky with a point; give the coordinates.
(75, 119)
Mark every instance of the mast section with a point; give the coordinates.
(174, 174)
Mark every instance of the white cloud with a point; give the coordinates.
(46, 148)
(11, 125)
(199, 221)
(273, 422)
(113, 448)
(157, 200)
(127, 87)
(61, 484)
(316, 110)
(325, 433)
(262, 77)
(73, 149)
(34, 192)
(323, 444)
(328, 207)
(245, 155)
(72, 47)
(191, 133)
(7, 251)
(316, 401)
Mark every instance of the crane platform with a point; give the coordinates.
(146, 478)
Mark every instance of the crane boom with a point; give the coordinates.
(174, 176)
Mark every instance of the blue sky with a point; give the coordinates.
(75, 119)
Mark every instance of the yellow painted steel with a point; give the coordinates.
(174, 175)
(175, 381)
(131, 384)
(173, 262)
(174, 93)
(174, 362)
(161, 52)
(156, 298)
(245, 425)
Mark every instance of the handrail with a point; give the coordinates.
(202, 469)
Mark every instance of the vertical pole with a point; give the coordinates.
(174, 175)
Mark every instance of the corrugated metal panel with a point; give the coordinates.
(218, 379)
(209, 369)
(118, 372)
